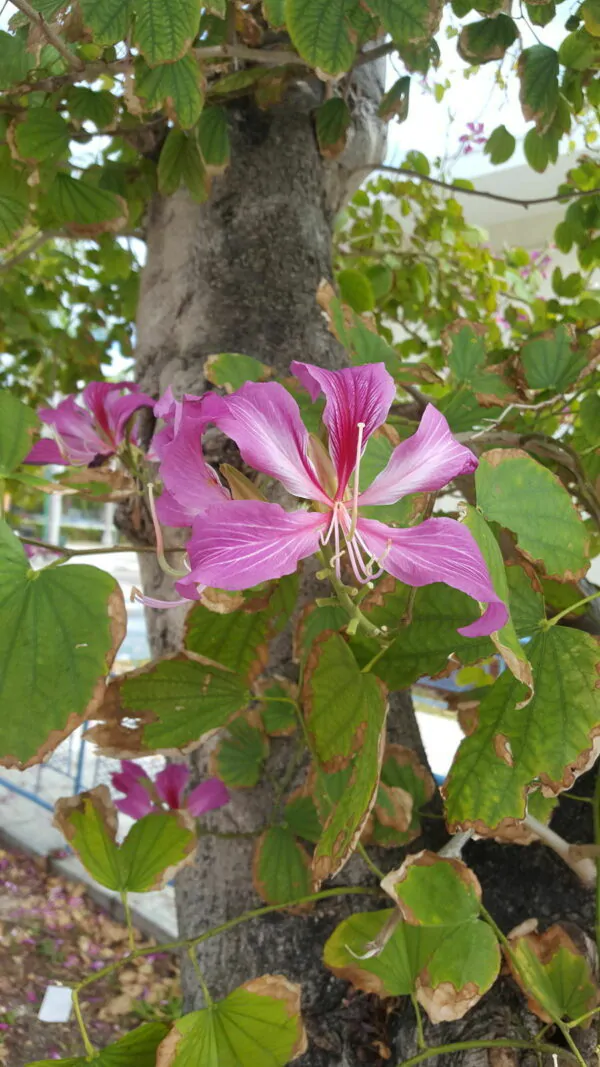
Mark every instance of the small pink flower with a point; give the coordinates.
(87, 435)
(143, 796)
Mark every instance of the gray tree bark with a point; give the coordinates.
(240, 274)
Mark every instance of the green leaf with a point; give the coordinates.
(239, 641)
(15, 60)
(392, 972)
(434, 892)
(519, 493)
(97, 106)
(88, 211)
(332, 121)
(538, 72)
(589, 414)
(500, 145)
(274, 11)
(213, 138)
(185, 698)
(61, 628)
(42, 134)
(356, 290)
(109, 20)
(256, 1024)
(238, 760)
(165, 31)
(578, 50)
(537, 152)
(230, 370)
(320, 30)
(467, 354)
(408, 21)
(17, 424)
(14, 199)
(277, 713)
(394, 103)
(177, 86)
(281, 867)
(89, 823)
(316, 620)
(423, 647)
(550, 362)
(556, 977)
(401, 770)
(181, 163)
(506, 640)
(138, 1047)
(487, 40)
(369, 347)
(303, 819)
(549, 740)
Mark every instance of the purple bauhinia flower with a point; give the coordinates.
(237, 544)
(86, 435)
(143, 796)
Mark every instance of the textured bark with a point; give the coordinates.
(240, 274)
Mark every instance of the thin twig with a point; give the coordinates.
(465, 1046)
(406, 172)
(38, 20)
(269, 57)
(37, 242)
(100, 550)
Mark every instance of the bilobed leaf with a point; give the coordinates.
(181, 163)
(14, 199)
(579, 50)
(551, 362)
(394, 103)
(392, 972)
(138, 1047)
(321, 32)
(500, 145)
(356, 290)
(537, 150)
(554, 975)
(229, 370)
(15, 60)
(467, 355)
(238, 641)
(314, 621)
(213, 139)
(109, 20)
(506, 640)
(301, 816)
(259, 1023)
(238, 760)
(86, 211)
(332, 121)
(97, 106)
(432, 891)
(550, 740)
(538, 71)
(172, 703)
(61, 630)
(408, 21)
(487, 40)
(89, 823)
(274, 11)
(41, 134)
(155, 848)
(277, 713)
(17, 424)
(281, 867)
(165, 31)
(519, 493)
(589, 414)
(176, 86)
(401, 773)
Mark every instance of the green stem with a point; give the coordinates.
(465, 1046)
(502, 938)
(564, 1029)
(128, 920)
(596, 814)
(375, 659)
(357, 619)
(374, 869)
(68, 553)
(578, 604)
(208, 1000)
(421, 1042)
(583, 1018)
(85, 1037)
(257, 913)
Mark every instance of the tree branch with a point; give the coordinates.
(387, 169)
(38, 20)
(372, 54)
(88, 73)
(37, 242)
(265, 56)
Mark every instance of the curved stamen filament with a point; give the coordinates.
(160, 546)
(359, 444)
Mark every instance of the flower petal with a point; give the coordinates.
(423, 463)
(354, 394)
(119, 410)
(190, 482)
(75, 429)
(207, 796)
(170, 784)
(240, 544)
(265, 423)
(129, 774)
(137, 803)
(439, 550)
(45, 451)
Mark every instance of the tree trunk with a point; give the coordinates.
(240, 274)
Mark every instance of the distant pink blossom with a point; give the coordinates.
(143, 796)
(85, 435)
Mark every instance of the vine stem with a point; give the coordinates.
(578, 604)
(208, 1000)
(596, 815)
(128, 920)
(421, 1042)
(68, 553)
(257, 913)
(465, 1046)
(374, 869)
(85, 1037)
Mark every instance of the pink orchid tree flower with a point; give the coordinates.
(237, 544)
(86, 435)
(143, 796)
